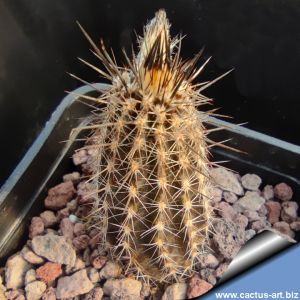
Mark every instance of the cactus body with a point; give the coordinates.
(149, 173)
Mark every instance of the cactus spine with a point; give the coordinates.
(150, 169)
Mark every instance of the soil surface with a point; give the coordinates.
(62, 259)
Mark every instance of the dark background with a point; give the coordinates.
(39, 43)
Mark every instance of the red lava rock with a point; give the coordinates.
(230, 197)
(209, 261)
(55, 248)
(36, 227)
(85, 192)
(49, 218)
(80, 157)
(250, 201)
(95, 238)
(295, 225)
(72, 205)
(49, 272)
(197, 287)
(79, 229)
(225, 210)
(99, 261)
(60, 195)
(94, 241)
(283, 192)
(251, 215)
(91, 157)
(274, 209)
(268, 192)
(284, 228)
(240, 220)
(228, 238)
(81, 242)
(259, 225)
(289, 211)
(74, 285)
(215, 194)
(93, 232)
(226, 180)
(31, 257)
(75, 176)
(67, 227)
(49, 294)
(63, 213)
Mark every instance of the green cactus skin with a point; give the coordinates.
(150, 172)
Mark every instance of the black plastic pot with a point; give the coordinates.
(48, 159)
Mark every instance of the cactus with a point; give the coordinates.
(150, 168)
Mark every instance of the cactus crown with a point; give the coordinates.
(149, 170)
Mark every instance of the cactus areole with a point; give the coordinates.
(150, 168)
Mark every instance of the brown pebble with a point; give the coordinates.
(95, 294)
(80, 157)
(81, 242)
(75, 176)
(99, 261)
(82, 211)
(79, 229)
(295, 225)
(230, 197)
(49, 218)
(208, 275)
(67, 227)
(63, 213)
(241, 220)
(72, 205)
(225, 210)
(74, 285)
(85, 192)
(36, 227)
(197, 287)
(268, 192)
(284, 228)
(289, 211)
(95, 240)
(274, 209)
(283, 192)
(60, 195)
(31, 257)
(259, 225)
(221, 270)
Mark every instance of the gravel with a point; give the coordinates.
(15, 270)
(251, 182)
(55, 248)
(283, 192)
(63, 259)
(227, 180)
(74, 285)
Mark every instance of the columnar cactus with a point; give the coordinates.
(150, 171)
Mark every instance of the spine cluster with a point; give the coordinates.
(150, 172)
